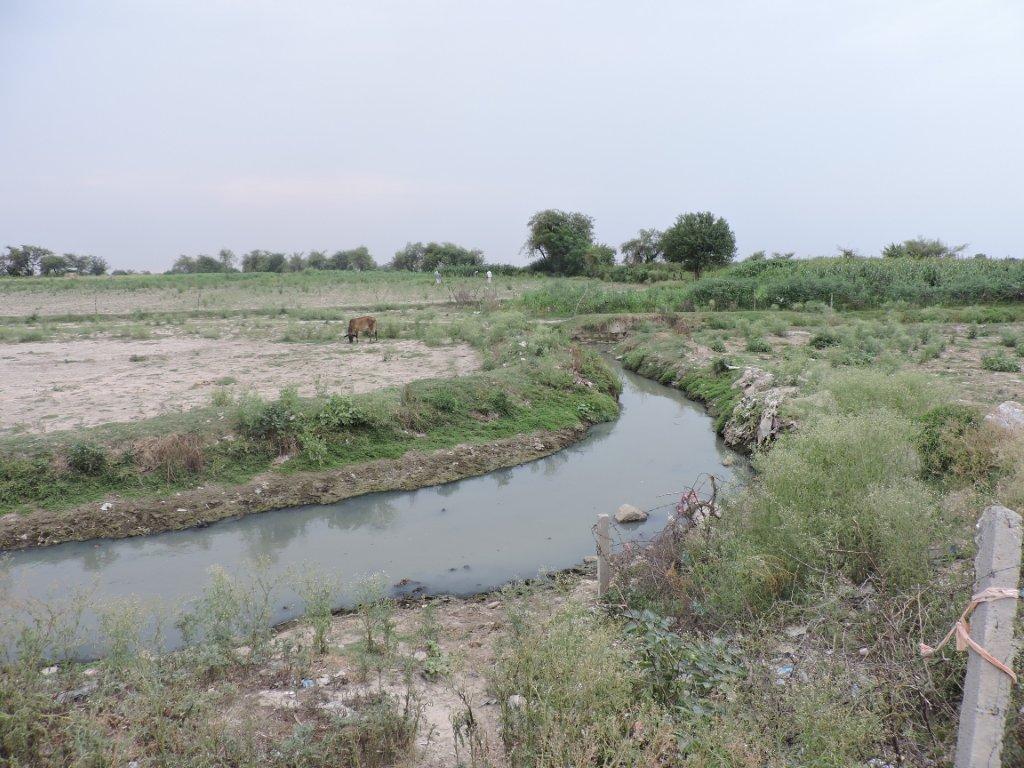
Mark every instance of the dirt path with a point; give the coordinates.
(73, 384)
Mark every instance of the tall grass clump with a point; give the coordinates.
(842, 497)
(572, 693)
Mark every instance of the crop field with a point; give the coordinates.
(125, 295)
(782, 634)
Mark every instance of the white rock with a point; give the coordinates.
(420, 656)
(1008, 415)
(106, 506)
(627, 513)
(47, 671)
(728, 461)
(590, 559)
(495, 604)
(516, 701)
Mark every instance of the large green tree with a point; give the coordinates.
(699, 241)
(560, 240)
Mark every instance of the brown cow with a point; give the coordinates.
(366, 325)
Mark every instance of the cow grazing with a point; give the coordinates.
(365, 325)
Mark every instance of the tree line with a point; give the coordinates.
(560, 242)
(29, 260)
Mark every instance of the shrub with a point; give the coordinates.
(277, 422)
(957, 447)
(758, 345)
(87, 459)
(1000, 362)
(570, 713)
(839, 496)
(173, 456)
(825, 338)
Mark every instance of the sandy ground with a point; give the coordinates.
(467, 632)
(51, 386)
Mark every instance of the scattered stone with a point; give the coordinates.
(420, 656)
(516, 701)
(795, 631)
(495, 604)
(106, 506)
(243, 651)
(77, 694)
(323, 680)
(627, 513)
(48, 671)
(91, 672)
(181, 509)
(307, 683)
(863, 651)
(1008, 415)
(785, 649)
(590, 559)
(728, 461)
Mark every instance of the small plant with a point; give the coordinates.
(1000, 362)
(758, 345)
(825, 338)
(317, 596)
(717, 345)
(87, 459)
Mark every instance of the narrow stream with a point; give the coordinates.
(462, 537)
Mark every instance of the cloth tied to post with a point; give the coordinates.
(962, 629)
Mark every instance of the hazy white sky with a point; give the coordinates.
(139, 130)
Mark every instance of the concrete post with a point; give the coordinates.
(986, 688)
(604, 549)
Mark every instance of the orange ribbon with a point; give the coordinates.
(962, 629)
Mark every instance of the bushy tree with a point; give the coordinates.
(227, 259)
(598, 255)
(560, 240)
(188, 265)
(52, 264)
(699, 241)
(419, 257)
(354, 258)
(263, 261)
(360, 259)
(23, 261)
(317, 260)
(410, 257)
(437, 255)
(644, 248)
(296, 262)
(922, 248)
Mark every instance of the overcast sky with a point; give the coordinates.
(142, 130)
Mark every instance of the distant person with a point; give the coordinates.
(488, 277)
(437, 277)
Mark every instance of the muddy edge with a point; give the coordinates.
(271, 490)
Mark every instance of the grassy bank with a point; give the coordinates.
(534, 382)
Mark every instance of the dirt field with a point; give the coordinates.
(71, 384)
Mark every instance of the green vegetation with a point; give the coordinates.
(812, 284)
(532, 385)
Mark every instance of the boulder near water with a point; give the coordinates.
(627, 513)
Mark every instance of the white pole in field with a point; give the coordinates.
(987, 688)
(604, 549)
